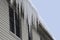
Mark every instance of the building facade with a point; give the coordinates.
(19, 21)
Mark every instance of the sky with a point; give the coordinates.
(49, 10)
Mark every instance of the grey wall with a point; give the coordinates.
(28, 12)
(5, 34)
(35, 35)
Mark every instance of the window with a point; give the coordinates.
(22, 11)
(29, 30)
(11, 16)
(14, 21)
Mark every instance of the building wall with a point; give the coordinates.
(29, 12)
(5, 34)
(35, 35)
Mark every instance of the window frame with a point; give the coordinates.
(15, 21)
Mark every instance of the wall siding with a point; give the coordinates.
(35, 35)
(4, 22)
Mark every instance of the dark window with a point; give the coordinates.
(11, 16)
(29, 30)
(14, 21)
(17, 25)
(22, 11)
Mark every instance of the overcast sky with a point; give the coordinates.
(49, 10)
